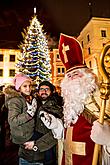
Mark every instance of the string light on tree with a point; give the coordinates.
(35, 59)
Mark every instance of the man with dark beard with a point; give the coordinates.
(48, 102)
(80, 108)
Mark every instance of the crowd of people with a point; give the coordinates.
(44, 121)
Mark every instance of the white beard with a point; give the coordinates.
(76, 87)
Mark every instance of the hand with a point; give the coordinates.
(32, 108)
(49, 120)
(29, 145)
(100, 134)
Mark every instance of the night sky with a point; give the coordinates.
(66, 16)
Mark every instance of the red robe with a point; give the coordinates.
(78, 146)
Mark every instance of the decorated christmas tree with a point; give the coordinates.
(35, 59)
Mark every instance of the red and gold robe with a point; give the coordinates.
(78, 146)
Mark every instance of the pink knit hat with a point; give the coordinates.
(19, 79)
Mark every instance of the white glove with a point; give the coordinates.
(52, 123)
(32, 107)
(100, 134)
(58, 132)
(49, 120)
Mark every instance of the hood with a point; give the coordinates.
(10, 92)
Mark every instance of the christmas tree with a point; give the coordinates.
(35, 59)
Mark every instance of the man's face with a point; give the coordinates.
(44, 92)
(26, 88)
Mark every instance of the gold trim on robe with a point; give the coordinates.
(72, 147)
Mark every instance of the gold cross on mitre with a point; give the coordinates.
(65, 48)
(72, 147)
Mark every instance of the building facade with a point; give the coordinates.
(58, 69)
(93, 37)
(8, 59)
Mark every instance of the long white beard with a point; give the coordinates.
(75, 91)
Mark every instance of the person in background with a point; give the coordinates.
(3, 120)
(48, 102)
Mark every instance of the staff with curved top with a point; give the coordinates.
(104, 90)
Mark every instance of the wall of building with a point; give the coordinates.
(58, 69)
(8, 64)
(93, 37)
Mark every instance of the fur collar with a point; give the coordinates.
(11, 92)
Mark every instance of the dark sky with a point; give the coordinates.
(66, 16)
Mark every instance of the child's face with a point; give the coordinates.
(26, 88)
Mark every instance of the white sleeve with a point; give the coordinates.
(105, 156)
(107, 149)
(59, 131)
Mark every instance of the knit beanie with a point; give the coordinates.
(47, 83)
(19, 79)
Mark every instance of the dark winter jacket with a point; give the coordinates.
(21, 124)
(47, 144)
(53, 105)
(44, 137)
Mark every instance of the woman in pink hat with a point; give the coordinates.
(22, 108)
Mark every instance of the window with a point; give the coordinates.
(89, 50)
(88, 38)
(82, 44)
(12, 72)
(1, 72)
(103, 33)
(90, 64)
(63, 70)
(58, 56)
(1, 57)
(58, 70)
(12, 58)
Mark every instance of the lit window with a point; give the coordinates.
(1, 72)
(88, 38)
(1, 57)
(63, 70)
(82, 44)
(90, 64)
(12, 72)
(58, 70)
(103, 33)
(58, 56)
(89, 50)
(12, 58)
